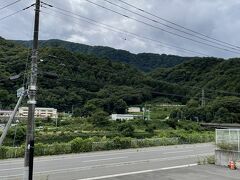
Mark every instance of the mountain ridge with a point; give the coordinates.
(143, 61)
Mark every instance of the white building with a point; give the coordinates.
(115, 117)
(134, 109)
(39, 112)
(5, 113)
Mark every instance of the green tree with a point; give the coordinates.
(100, 118)
(223, 115)
(120, 107)
(126, 129)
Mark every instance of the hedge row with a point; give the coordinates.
(87, 145)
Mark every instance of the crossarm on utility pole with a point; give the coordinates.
(11, 119)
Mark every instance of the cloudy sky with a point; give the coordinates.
(218, 19)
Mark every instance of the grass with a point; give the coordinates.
(206, 160)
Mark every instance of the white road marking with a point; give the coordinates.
(68, 170)
(107, 159)
(139, 172)
(10, 169)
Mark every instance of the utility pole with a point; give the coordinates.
(149, 111)
(203, 98)
(32, 89)
(144, 112)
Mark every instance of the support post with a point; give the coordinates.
(11, 119)
(32, 89)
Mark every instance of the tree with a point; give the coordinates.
(192, 103)
(126, 128)
(222, 115)
(120, 107)
(100, 118)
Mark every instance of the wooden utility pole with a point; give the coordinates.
(32, 89)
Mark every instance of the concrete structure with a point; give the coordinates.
(221, 125)
(228, 146)
(124, 116)
(134, 109)
(39, 112)
(222, 157)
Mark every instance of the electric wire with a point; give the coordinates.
(166, 31)
(157, 92)
(140, 37)
(170, 27)
(8, 5)
(12, 14)
(175, 24)
(200, 88)
(114, 29)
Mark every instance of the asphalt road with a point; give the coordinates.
(120, 164)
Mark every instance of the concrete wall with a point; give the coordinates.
(222, 157)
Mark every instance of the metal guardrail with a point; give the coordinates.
(221, 125)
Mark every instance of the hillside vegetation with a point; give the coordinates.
(97, 87)
(71, 80)
(143, 61)
(219, 78)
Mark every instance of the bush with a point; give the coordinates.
(122, 143)
(228, 146)
(80, 145)
(189, 126)
(3, 152)
(126, 129)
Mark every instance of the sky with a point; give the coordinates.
(218, 19)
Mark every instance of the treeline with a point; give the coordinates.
(143, 61)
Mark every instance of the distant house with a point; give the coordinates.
(115, 117)
(39, 112)
(5, 113)
(134, 109)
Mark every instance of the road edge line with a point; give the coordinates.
(139, 172)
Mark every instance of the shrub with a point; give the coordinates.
(80, 145)
(228, 146)
(3, 152)
(122, 143)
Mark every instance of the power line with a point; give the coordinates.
(5, 17)
(175, 24)
(10, 15)
(170, 27)
(8, 5)
(117, 30)
(205, 89)
(166, 31)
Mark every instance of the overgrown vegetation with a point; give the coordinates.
(228, 146)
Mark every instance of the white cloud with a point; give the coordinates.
(217, 18)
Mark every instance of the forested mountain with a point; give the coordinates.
(220, 80)
(210, 73)
(68, 79)
(143, 61)
(86, 83)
